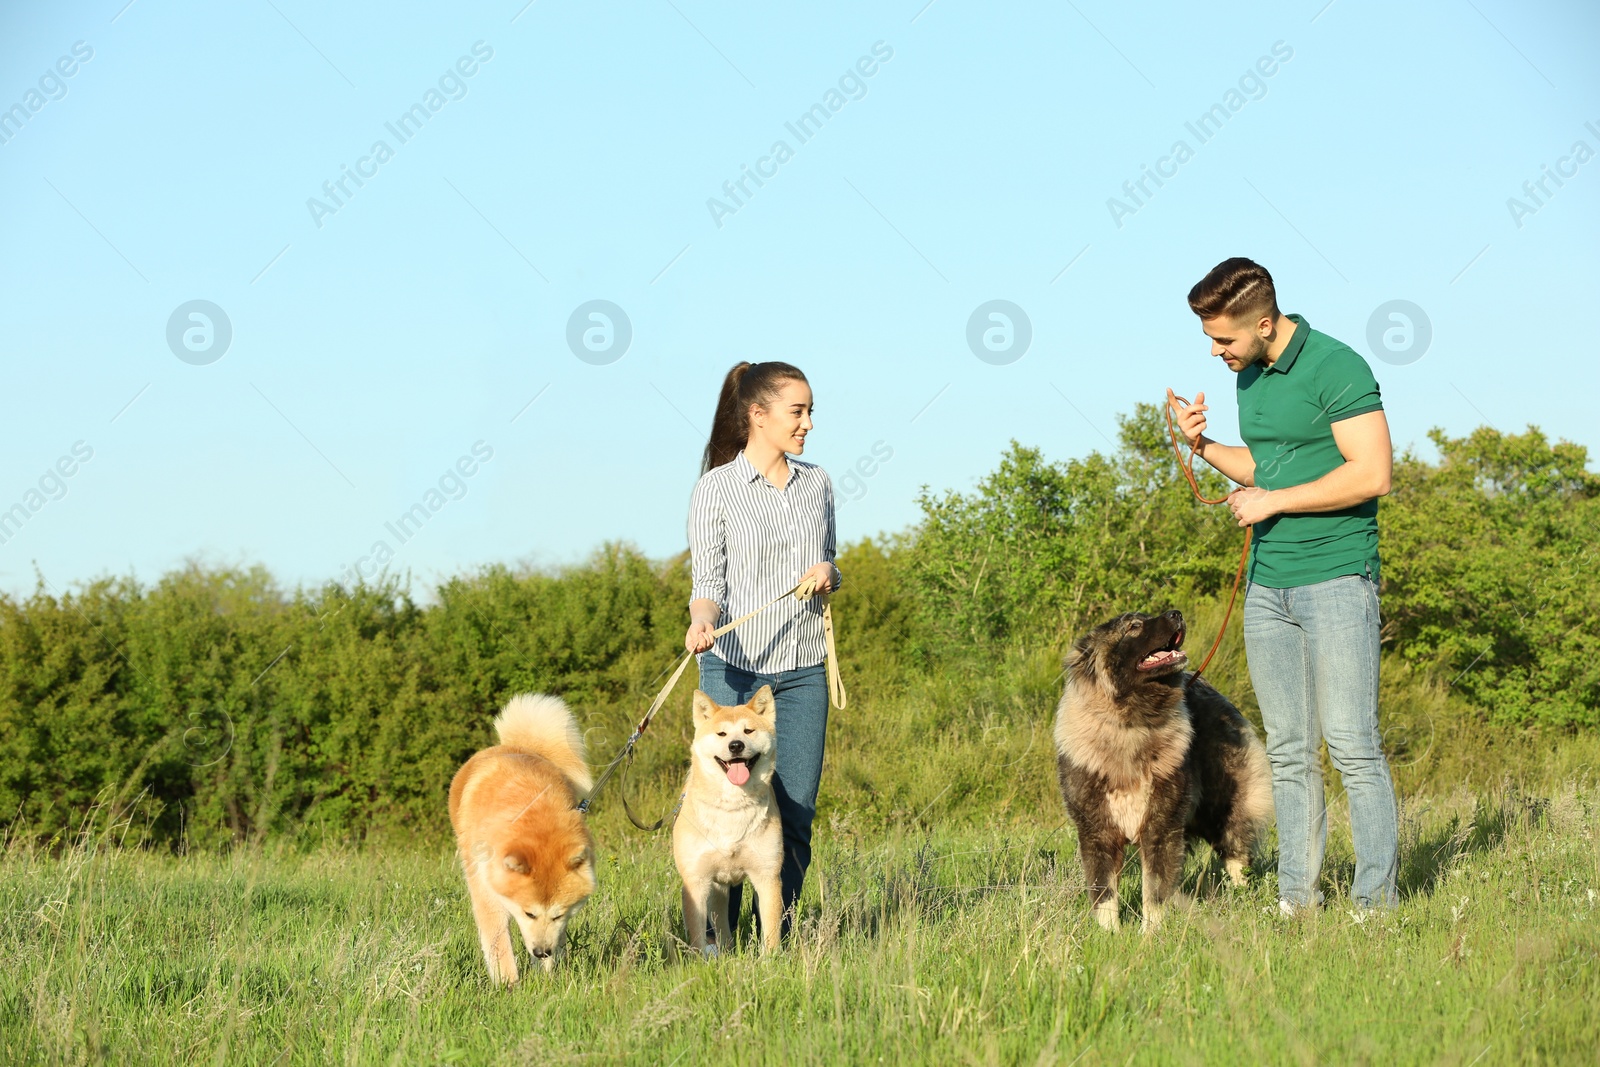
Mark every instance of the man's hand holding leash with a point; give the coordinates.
(1248, 504)
(1363, 442)
(1191, 419)
(1251, 505)
(1232, 461)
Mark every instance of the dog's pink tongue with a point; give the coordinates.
(738, 773)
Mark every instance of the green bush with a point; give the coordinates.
(1040, 549)
(215, 707)
(1488, 574)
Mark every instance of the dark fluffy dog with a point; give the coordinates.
(1143, 758)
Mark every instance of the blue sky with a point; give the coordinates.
(378, 339)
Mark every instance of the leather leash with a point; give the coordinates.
(1187, 466)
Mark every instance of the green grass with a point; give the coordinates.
(964, 944)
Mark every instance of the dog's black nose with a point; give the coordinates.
(1174, 616)
(736, 747)
(541, 953)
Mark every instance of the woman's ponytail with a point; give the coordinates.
(730, 427)
(746, 384)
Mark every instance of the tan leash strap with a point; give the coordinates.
(835, 679)
(805, 591)
(666, 690)
(661, 698)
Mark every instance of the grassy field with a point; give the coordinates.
(264, 879)
(941, 946)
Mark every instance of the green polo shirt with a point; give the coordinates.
(1286, 417)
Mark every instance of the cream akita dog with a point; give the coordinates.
(728, 830)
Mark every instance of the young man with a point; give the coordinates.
(1315, 459)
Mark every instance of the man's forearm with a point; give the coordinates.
(1233, 461)
(1343, 487)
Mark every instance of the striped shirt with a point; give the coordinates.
(750, 541)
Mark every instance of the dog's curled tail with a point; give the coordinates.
(544, 726)
(1255, 786)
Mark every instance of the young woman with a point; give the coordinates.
(759, 522)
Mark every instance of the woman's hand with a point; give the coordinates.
(823, 573)
(703, 616)
(699, 638)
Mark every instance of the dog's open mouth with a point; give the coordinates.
(1168, 655)
(738, 768)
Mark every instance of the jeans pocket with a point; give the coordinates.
(1372, 593)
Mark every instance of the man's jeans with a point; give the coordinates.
(801, 697)
(1313, 654)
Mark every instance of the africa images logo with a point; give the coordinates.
(599, 332)
(199, 332)
(452, 85)
(452, 484)
(1551, 179)
(1399, 332)
(851, 84)
(52, 86)
(999, 332)
(1252, 85)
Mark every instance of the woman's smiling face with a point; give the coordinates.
(785, 422)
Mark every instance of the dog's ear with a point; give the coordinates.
(516, 862)
(762, 703)
(1077, 657)
(1086, 660)
(704, 707)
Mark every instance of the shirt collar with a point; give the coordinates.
(746, 470)
(1296, 343)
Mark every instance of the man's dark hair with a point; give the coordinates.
(1239, 288)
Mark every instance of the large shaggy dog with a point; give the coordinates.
(1145, 758)
(525, 850)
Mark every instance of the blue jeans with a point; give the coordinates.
(802, 700)
(1313, 655)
